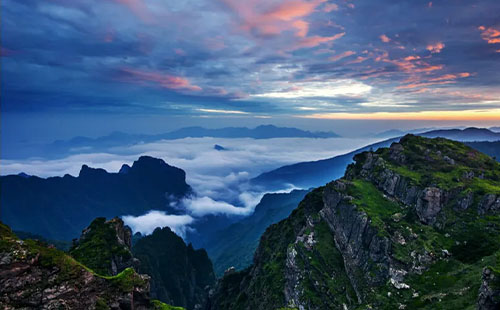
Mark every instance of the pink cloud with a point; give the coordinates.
(343, 55)
(315, 41)
(258, 17)
(288, 11)
(358, 60)
(163, 80)
(385, 38)
(418, 85)
(302, 27)
(436, 47)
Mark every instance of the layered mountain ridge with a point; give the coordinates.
(317, 173)
(60, 207)
(413, 226)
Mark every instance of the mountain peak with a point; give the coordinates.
(87, 171)
(418, 219)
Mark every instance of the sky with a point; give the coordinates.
(176, 63)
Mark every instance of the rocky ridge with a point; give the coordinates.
(104, 247)
(408, 227)
(37, 276)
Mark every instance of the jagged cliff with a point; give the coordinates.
(413, 226)
(35, 275)
(180, 275)
(104, 247)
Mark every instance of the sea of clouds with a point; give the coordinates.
(219, 178)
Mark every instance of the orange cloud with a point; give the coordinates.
(428, 68)
(163, 80)
(451, 77)
(409, 58)
(385, 38)
(490, 35)
(315, 41)
(343, 55)
(358, 60)
(418, 85)
(436, 47)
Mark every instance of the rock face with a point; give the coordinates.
(489, 293)
(104, 246)
(67, 204)
(180, 275)
(34, 276)
(363, 250)
(400, 230)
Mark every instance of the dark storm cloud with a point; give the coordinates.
(278, 57)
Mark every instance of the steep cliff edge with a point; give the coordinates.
(408, 227)
(104, 247)
(180, 275)
(34, 275)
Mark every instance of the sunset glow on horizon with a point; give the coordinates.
(259, 59)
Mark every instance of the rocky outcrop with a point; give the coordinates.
(489, 292)
(180, 275)
(489, 204)
(363, 250)
(428, 201)
(34, 276)
(104, 246)
(429, 204)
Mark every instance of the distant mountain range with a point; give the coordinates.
(59, 208)
(464, 135)
(317, 173)
(398, 133)
(78, 145)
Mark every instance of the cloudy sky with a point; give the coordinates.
(255, 59)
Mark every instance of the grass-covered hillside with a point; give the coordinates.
(413, 226)
(105, 246)
(34, 275)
